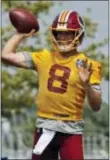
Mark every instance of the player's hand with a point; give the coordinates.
(26, 35)
(85, 72)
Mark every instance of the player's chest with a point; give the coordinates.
(61, 72)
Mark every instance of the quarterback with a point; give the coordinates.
(66, 78)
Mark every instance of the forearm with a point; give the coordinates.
(12, 44)
(94, 97)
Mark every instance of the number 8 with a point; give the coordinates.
(63, 78)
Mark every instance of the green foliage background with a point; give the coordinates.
(19, 85)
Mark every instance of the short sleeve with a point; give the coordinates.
(96, 73)
(38, 56)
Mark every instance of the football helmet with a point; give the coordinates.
(68, 21)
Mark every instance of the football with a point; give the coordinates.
(23, 20)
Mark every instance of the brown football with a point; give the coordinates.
(23, 20)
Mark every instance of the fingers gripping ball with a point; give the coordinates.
(23, 20)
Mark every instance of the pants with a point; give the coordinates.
(69, 147)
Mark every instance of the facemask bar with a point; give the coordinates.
(68, 47)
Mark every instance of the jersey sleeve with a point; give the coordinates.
(38, 57)
(96, 73)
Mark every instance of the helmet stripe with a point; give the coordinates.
(67, 16)
(63, 16)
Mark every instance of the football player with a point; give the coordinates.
(66, 78)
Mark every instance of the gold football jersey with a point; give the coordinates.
(61, 94)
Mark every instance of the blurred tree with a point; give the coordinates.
(97, 121)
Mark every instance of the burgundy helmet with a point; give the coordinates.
(68, 21)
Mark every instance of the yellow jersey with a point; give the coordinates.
(61, 94)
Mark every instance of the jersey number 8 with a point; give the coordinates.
(63, 79)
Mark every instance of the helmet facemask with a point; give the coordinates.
(67, 45)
